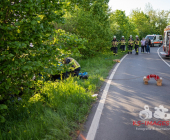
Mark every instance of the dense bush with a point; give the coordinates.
(53, 113)
(29, 45)
(92, 24)
(24, 22)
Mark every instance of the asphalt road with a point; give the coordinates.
(167, 59)
(127, 96)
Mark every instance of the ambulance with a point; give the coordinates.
(156, 40)
(166, 42)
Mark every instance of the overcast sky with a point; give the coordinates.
(128, 5)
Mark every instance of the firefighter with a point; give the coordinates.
(75, 66)
(137, 45)
(130, 43)
(115, 44)
(73, 70)
(123, 42)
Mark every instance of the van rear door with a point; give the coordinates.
(166, 42)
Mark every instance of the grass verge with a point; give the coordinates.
(60, 107)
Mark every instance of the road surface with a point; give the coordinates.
(127, 96)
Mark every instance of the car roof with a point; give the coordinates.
(154, 35)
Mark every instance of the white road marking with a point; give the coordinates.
(161, 57)
(95, 122)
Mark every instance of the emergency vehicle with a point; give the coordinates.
(166, 42)
(156, 40)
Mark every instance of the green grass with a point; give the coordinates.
(58, 110)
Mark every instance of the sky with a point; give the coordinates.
(128, 5)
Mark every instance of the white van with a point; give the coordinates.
(156, 40)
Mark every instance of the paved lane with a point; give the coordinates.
(167, 59)
(126, 98)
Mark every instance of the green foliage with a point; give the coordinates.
(69, 44)
(21, 26)
(22, 23)
(65, 44)
(92, 25)
(122, 25)
(142, 22)
(3, 109)
(151, 22)
(85, 5)
(53, 114)
(139, 23)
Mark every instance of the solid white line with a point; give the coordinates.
(161, 57)
(95, 122)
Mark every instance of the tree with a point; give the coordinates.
(121, 25)
(158, 19)
(92, 24)
(22, 23)
(142, 22)
(162, 20)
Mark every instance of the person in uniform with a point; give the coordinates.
(114, 45)
(123, 42)
(137, 45)
(74, 68)
(130, 43)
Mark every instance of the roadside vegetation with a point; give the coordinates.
(59, 108)
(35, 36)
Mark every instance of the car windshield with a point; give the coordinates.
(150, 37)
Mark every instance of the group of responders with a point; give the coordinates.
(131, 43)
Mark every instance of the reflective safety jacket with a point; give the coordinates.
(123, 41)
(130, 42)
(73, 62)
(115, 42)
(137, 42)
